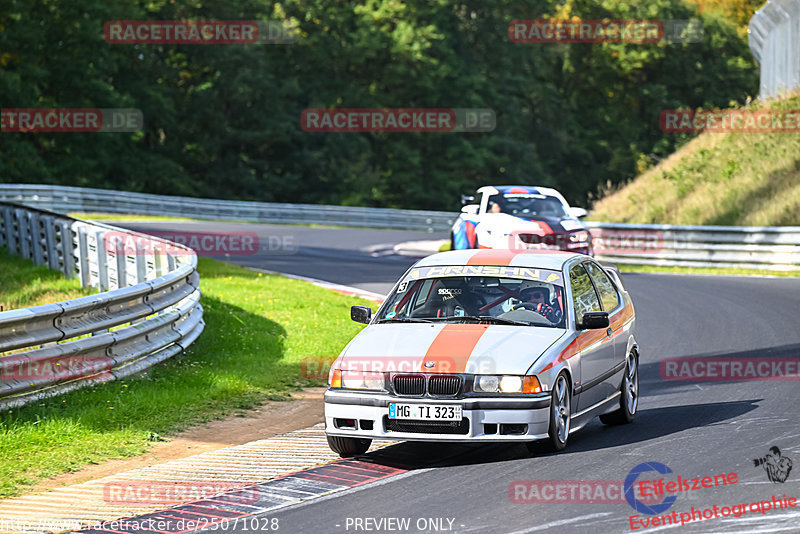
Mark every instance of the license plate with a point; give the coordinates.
(425, 412)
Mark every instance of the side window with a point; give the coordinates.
(584, 297)
(608, 293)
(423, 293)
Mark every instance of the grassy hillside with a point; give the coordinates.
(717, 179)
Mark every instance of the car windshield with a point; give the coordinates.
(487, 299)
(527, 205)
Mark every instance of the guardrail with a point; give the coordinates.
(773, 248)
(77, 199)
(774, 36)
(769, 248)
(149, 309)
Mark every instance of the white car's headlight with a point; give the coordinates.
(506, 384)
(362, 380)
(511, 384)
(487, 383)
(579, 237)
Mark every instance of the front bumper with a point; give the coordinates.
(490, 419)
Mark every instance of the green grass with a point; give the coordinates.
(259, 328)
(717, 179)
(702, 270)
(22, 284)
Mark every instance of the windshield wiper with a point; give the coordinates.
(404, 320)
(490, 319)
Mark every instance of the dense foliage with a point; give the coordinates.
(223, 120)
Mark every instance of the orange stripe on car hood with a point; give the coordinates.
(452, 347)
(499, 258)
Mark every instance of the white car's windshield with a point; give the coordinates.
(529, 302)
(527, 206)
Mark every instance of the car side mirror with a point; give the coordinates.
(578, 212)
(594, 320)
(471, 209)
(361, 314)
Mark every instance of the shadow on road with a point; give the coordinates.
(649, 424)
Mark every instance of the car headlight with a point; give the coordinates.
(579, 237)
(361, 380)
(506, 384)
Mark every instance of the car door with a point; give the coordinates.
(596, 346)
(611, 302)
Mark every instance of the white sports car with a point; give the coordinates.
(520, 217)
(488, 345)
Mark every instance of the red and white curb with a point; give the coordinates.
(142, 491)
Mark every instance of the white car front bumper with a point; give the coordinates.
(489, 419)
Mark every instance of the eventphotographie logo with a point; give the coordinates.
(637, 503)
(776, 465)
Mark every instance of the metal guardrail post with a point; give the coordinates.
(24, 233)
(51, 244)
(101, 260)
(83, 257)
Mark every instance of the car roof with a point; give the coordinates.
(519, 189)
(539, 259)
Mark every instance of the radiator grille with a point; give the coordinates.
(444, 385)
(426, 427)
(409, 384)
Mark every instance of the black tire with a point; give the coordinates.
(560, 414)
(629, 398)
(347, 447)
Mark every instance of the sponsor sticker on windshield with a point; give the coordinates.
(523, 273)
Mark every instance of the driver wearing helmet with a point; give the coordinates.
(537, 298)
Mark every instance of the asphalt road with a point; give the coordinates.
(332, 254)
(696, 428)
